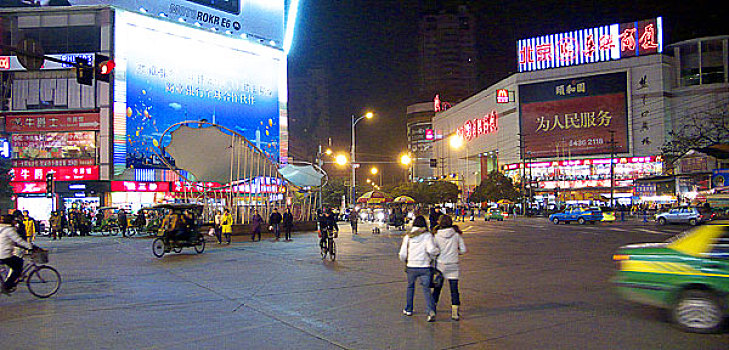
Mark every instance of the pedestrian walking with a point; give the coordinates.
(417, 250)
(217, 228)
(122, 218)
(288, 224)
(256, 222)
(29, 224)
(353, 219)
(433, 217)
(274, 223)
(226, 226)
(450, 244)
(56, 223)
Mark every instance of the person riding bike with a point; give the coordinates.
(9, 239)
(327, 227)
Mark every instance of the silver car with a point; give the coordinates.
(690, 216)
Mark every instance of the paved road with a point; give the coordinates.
(525, 284)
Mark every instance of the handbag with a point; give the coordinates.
(436, 279)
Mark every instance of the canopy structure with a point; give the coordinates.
(404, 200)
(213, 155)
(374, 197)
(304, 175)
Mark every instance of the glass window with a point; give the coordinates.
(74, 39)
(689, 64)
(712, 62)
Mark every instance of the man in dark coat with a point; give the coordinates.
(275, 222)
(288, 223)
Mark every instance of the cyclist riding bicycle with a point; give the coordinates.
(9, 239)
(327, 227)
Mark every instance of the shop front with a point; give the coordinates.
(85, 195)
(134, 195)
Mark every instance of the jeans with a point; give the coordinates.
(287, 231)
(276, 230)
(455, 297)
(422, 274)
(16, 268)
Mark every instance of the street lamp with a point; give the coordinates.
(406, 159)
(456, 142)
(375, 171)
(355, 120)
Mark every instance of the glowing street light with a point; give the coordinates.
(406, 159)
(456, 141)
(374, 171)
(341, 159)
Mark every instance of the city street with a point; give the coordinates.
(525, 284)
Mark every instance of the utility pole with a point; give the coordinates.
(612, 168)
(523, 171)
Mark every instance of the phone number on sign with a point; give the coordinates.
(587, 142)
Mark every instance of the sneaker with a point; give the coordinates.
(407, 313)
(431, 317)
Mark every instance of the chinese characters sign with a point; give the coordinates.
(571, 117)
(52, 122)
(138, 186)
(472, 129)
(61, 173)
(605, 43)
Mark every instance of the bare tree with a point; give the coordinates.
(701, 129)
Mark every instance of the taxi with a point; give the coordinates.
(494, 214)
(688, 275)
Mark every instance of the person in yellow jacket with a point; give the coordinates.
(29, 224)
(226, 224)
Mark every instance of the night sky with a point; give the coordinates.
(370, 47)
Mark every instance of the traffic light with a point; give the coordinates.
(433, 162)
(103, 66)
(84, 72)
(556, 192)
(49, 185)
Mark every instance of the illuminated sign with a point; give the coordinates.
(11, 63)
(260, 19)
(52, 162)
(429, 134)
(579, 162)
(259, 185)
(502, 96)
(52, 122)
(70, 173)
(605, 43)
(138, 186)
(4, 148)
(28, 187)
(80, 144)
(579, 116)
(226, 81)
(474, 128)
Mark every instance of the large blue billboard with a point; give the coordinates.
(167, 73)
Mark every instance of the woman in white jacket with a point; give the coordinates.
(450, 244)
(417, 251)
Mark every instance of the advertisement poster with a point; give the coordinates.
(80, 144)
(168, 73)
(571, 117)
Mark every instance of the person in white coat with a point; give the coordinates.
(9, 239)
(417, 251)
(450, 244)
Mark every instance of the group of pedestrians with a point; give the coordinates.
(424, 251)
(276, 223)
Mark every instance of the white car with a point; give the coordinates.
(690, 216)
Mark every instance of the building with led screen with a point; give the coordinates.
(585, 118)
(220, 62)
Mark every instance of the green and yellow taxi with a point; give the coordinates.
(494, 214)
(688, 274)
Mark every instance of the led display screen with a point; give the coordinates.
(260, 18)
(580, 116)
(168, 73)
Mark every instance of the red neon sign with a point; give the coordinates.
(61, 173)
(4, 62)
(28, 187)
(502, 96)
(479, 126)
(138, 186)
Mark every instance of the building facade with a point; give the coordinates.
(100, 140)
(587, 131)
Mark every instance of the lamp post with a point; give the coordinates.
(355, 120)
(456, 142)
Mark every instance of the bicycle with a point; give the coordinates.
(329, 246)
(42, 280)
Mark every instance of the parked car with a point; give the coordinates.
(688, 274)
(494, 214)
(689, 216)
(581, 215)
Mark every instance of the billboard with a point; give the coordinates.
(263, 19)
(571, 117)
(168, 73)
(599, 44)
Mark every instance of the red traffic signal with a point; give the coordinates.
(103, 66)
